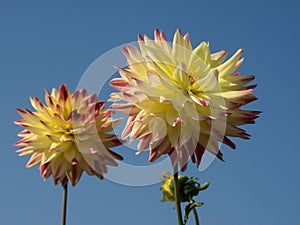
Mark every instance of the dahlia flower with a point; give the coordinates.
(182, 101)
(68, 135)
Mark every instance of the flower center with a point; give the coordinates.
(191, 79)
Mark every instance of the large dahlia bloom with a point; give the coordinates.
(182, 101)
(68, 135)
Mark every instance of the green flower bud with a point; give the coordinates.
(188, 188)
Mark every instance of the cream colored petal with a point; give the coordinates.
(227, 68)
(158, 128)
(202, 51)
(171, 116)
(48, 155)
(181, 49)
(208, 83)
(72, 156)
(235, 94)
(181, 76)
(34, 160)
(173, 135)
(218, 58)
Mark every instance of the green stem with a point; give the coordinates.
(196, 217)
(64, 204)
(194, 212)
(177, 196)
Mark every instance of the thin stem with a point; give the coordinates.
(194, 212)
(64, 205)
(177, 196)
(196, 216)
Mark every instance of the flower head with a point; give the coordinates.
(182, 101)
(68, 135)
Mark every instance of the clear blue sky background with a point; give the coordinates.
(44, 44)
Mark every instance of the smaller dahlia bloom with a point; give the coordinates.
(68, 135)
(181, 100)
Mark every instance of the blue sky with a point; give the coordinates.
(45, 44)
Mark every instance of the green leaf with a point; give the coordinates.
(191, 180)
(203, 186)
(189, 208)
(187, 190)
